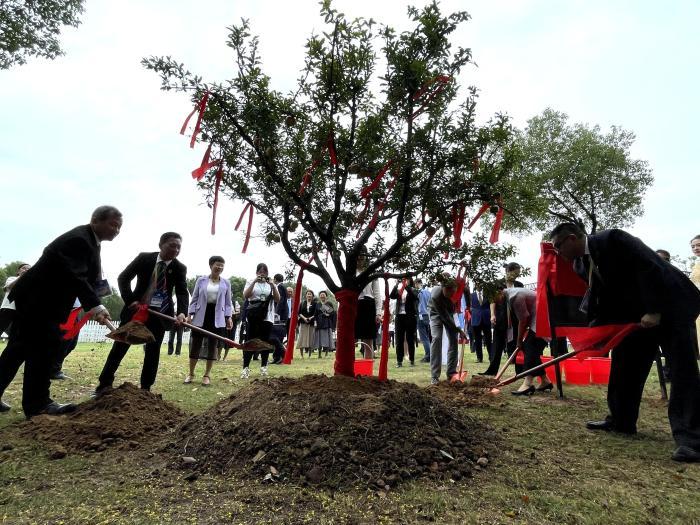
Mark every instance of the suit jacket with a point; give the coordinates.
(631, 280)
(411, 300)
(198, 304)
(142, 267)
(481, 311)
(308, 311)
(68, 268)
(282, 308)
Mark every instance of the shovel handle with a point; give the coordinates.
(537, 368)
(110, 326)
(198, 329)
(510, 360)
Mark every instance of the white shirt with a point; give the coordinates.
(6, 303)
(261, 291)
(372, 290)
(212, 292)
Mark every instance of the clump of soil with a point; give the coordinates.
(334, 432)
(476, 392)
(120, 418)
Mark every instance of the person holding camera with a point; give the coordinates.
(262, 295)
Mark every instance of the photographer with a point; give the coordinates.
(261, 294)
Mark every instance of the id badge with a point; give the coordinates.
(102, 288)
(158, 299)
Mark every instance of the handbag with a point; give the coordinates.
(257, 311)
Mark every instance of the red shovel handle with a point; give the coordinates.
(198, 329)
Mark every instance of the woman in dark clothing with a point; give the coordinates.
(405, 319)
(307, 317)
(261, 294)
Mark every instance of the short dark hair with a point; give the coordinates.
(104, 213)
(278, 277)
(21, 265)
(309, 290)
(167, 236)
(696, 237)
(567, 228)
(512, 266)
(260, 266)
(323, 291)
(215, 259)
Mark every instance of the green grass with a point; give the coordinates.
(548, 468)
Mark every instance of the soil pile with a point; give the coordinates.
(121, 418)
(333, 431)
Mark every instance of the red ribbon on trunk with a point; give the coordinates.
(294, 316)
(72, 325)
(249, 208)
(384, 359)
(345, 341)
(219, 176)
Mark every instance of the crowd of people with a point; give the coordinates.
(626, 283)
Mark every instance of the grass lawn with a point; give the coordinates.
(548, 468)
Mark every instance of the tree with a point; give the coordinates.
(237, 287)
(114, 304)
(31, 28)
(576, 173)
(354, 159)
(9, 270)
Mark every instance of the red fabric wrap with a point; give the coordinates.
(380, 206)
(294, 317)
(219, 176)
(198, 124)
(141, 315)
(72, 325)
(240, 218)
(496, 226)
(458, 212)
(330, 144)
(205, 165)
(485, 206)
(345, 342)
(384, 359)
(306, 180)
(367, 190)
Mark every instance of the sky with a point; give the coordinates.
(93, 127)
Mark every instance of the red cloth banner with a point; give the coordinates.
(594, 341)
(249, 208)
(384, 358)
(330, 147)
(198, 124)
(72, 325)
(367, 190)
(345, 341)
(458, 213)
(485, 206)
(294, 317)
(217, 185)
(205, 165)
(496, 225)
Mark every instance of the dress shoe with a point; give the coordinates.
(487, 373)
(425, 360)
(101, 390)
(55, 409)
(399, 365)
(59, 376)
(527, 392)
(545, 388)
(686, 455)
(609, 426)
(4, 407)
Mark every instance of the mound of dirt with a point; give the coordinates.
(332, 431)
(121, 418)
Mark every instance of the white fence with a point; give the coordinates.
(94, 332)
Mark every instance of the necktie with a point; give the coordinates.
(161, 285)
(582, 266)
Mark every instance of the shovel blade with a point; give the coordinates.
(257, 345)
(132, 333)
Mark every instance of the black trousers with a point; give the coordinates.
(405, 327)
(150, 359)
(175, 333)
(260, 330)
(33, 341)
(500, 345)
(6, 317)
(631, 362)
(532, 348)
(482, 337)
(64, 349)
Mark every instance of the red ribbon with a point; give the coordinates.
(141, 315)
(485, 206)
(330, 146)
(205, 165)
(375, 183)
(384, 358)
(249, 208)
(458, 212)
(72, 326)
(442, 80)
(219, 176)
(294, 317)
(198, 125)
(496, 225)
(380, 206)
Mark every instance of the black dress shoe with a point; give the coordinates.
(59, 376)
(55, 409)
(527, 392)
(425, 360)
(545, 388)
(686, 455)
(399, 365)
(101, 390)
(4, 407)
(609, 426)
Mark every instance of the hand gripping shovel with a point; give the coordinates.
(134, 332)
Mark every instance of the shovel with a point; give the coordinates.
(460, 376)
(131, 333)
(537, 368)
(253, 345)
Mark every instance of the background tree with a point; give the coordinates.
(32, 27)
(576, 173)
(311, 162)
(114, 303)
(9, 270)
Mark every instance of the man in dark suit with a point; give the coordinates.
(157, 275)
(44, 296)
(629, 283)
(279, 328)
(505, 323)
(481, 324)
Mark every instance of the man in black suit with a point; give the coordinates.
(157, 275)
(279, 328)
(629, 283)
(44, 296)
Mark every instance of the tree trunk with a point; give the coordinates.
(345, 340)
